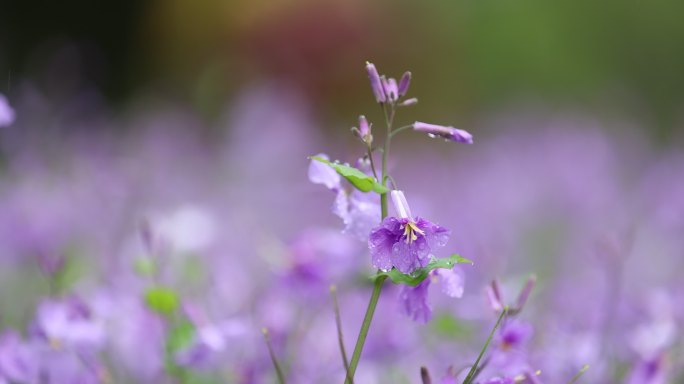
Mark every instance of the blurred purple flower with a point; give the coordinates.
(209, 341)
(6, 112)
(68, 323)
(18, 362)
(405, 242)
(448, 133)
(359, 211)
(413, 301)
(649, 371)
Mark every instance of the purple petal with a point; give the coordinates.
(320, 173)
(437, 236)
(413, 301)
(380, 242)
(452, 280)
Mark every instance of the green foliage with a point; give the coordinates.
(421, 274)
(358, 179)
(162, 300)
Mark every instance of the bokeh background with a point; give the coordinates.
(192, 120)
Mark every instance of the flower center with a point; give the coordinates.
(411, 232)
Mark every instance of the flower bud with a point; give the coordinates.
(376, 84)
(404, 83)
(448, 133)
(409, 102)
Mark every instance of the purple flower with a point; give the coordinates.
(414, 300)
(68, 324)
(448, 133)
(18, 362)
(513, 335)
(649, 371)
(359, 211)
(404, 242)
(6, 112)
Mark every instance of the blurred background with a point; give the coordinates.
(612, 59)
(165, 143)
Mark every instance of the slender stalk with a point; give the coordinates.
(380, 280)
(579, 374)
(365, 326)
(471, 375)
(279, 372)
(400, 129)
(372, 163)
(338, 323)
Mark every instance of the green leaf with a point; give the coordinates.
(358, 179)
(421, 274)
(162, 300)
(180, 336)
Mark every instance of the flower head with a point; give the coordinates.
(404, 242)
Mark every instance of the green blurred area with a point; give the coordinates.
(612, 57)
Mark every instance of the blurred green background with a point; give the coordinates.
(610, 58)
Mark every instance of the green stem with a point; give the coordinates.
(338, 323)
(579, 374)
(274, 360)
(400, 129)
(380, 280)
(377, 288)
(471, 375)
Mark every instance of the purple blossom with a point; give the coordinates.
(209, 341)
(448, 133)
(513, 335)
(404, 242)
(6, 112)
(359, 211)
(414, 300)
(18, 362)
(649, 371)
(68, 324)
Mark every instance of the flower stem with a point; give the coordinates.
(274, 360)
(472, 374)
(377, 288)
(380, 280)
(338, 323)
